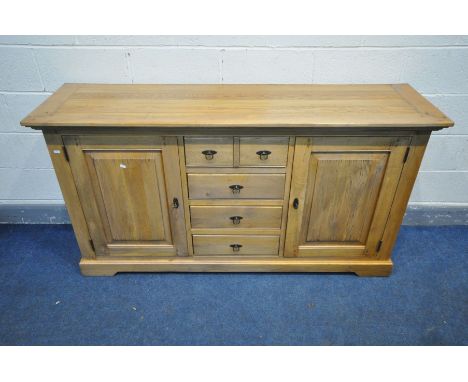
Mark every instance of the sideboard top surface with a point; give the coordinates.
(105, 105)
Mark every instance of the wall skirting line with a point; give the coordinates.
(33, 214)
(436, 215)
(57, 214)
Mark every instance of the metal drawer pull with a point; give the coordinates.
(209, 154)
(236, 247)
(263, 154)
(296, 203)
(236, 219)
(236, 188)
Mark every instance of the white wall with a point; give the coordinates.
(32, 67)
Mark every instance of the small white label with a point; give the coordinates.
(122, 165)
(56, 151)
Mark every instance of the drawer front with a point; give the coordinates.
(209, 151)
(264, 151)
(235, 217)
(223, 186)
(235, 245)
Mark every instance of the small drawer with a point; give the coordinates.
(235, 245)
(209, 151)
(264, 151)
(236, 186)
(235, 217)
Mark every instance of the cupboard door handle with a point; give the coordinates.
(209, 154)
(263, 154)
(236, 219)
(236, 247)
(236, 188)
(175, 203)
(296, 203)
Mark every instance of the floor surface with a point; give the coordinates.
(45, 301)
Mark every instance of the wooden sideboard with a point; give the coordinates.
(236, 178)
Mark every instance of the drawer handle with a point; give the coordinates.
(263, 154)
(236, 247)
(236, 188)
(296, 203)
(209, 154)
(236, 219)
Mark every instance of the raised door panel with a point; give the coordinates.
(345, 190)
(341, 194)
(127, 189)
(131, 186)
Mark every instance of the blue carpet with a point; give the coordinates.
(45, 301)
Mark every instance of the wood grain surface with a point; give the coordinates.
(88, 105)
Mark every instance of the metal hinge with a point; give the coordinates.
(379, 245)
(65, 153)
(406, 155)
(91, 243)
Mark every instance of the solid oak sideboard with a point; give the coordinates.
(236, 178)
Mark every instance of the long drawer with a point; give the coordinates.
(236, 186)
(235, 245)
(235, 216)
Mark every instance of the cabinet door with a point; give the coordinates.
(130, 191)
(342, 189)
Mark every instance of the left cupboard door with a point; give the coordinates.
(130, 192)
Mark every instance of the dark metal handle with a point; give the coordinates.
(236, 188)
(263, 154)
(209, 154)
(236, 247)
(175, 203)
(296, 203)
(236, 219)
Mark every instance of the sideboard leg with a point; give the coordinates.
(100, 272)
(384, 272)
(96, 270)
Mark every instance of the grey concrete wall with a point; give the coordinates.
(32, 67)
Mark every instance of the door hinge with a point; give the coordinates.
(65, 153)
(379, 245)
(406, 155)
(91, 243)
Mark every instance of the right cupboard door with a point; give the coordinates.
(342, 190)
